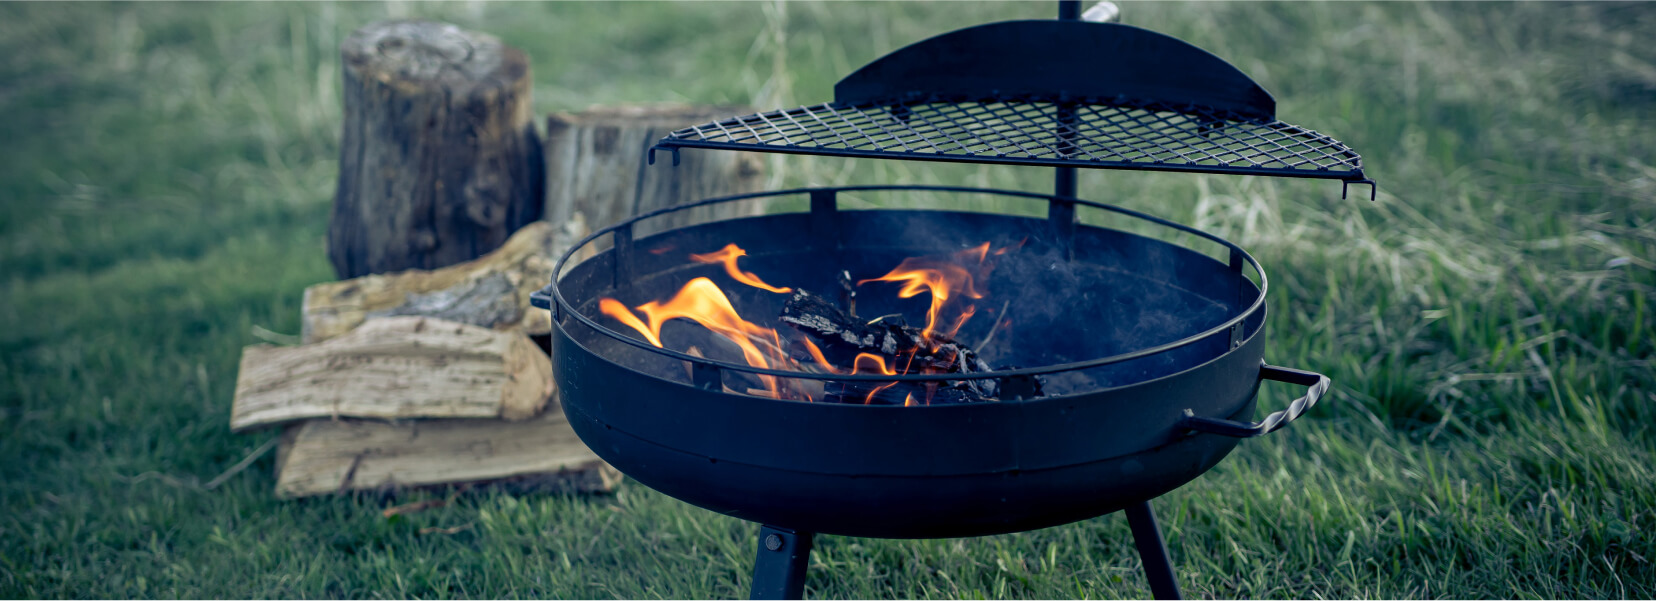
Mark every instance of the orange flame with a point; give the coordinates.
(1006, 249)
(871, 363)
(728, 255)
(942, 277)
(816, 355)
(614, 308)
(961, 321)
(701, 301)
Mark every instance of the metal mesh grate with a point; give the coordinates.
(1115, 135)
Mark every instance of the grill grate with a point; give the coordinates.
(1119, 134)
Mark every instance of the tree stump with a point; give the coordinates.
(439, 162)
(595, 166)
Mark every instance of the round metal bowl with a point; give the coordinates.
(1149, 352)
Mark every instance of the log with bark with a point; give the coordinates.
(439, 162)
(595, 167)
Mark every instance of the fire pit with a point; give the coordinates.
(915, 373)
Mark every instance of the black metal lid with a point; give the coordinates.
(1054, 61)
(1049, 93)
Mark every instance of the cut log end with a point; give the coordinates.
(529, 383)
(595, 167)
(415, 52)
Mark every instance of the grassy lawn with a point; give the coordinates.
(165, 180)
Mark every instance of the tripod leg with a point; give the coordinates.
(779, 569)
(1158, 567)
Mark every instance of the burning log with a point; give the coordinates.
(877, 347)
(895, 348)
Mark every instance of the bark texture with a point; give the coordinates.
(491, 291)
(439, 160)
(595, 167)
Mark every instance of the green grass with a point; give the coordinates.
(164, 186)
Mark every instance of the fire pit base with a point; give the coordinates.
(1151, 354)
(784, 555)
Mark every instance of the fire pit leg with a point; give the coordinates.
(1158, 567)
(779, 569)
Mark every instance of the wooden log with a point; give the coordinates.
(395, 368)
(595, 167)
(491, 291)
(350, 454)
(439, 161)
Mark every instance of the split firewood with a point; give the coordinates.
(542, 454)
(901, 348)
(395, 368)
(491, 291)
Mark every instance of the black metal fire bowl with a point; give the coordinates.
(978, 469)
(1151, 351)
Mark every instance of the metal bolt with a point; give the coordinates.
(773, 542)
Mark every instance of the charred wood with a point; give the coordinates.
(900, 347)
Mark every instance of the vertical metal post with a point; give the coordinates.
(1158, 567)
(1069, 10)
(621, 256)
(825, 218)
(826, 239)
(1063, 183)
(706, 376)
(1237, 278)
(1061, 218)
(779, 569)
(1062, 215)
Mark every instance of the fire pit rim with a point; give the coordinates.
(551, 297)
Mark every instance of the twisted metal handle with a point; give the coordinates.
(1317, 384)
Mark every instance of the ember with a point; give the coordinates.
(842, 338)
(834, 340)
